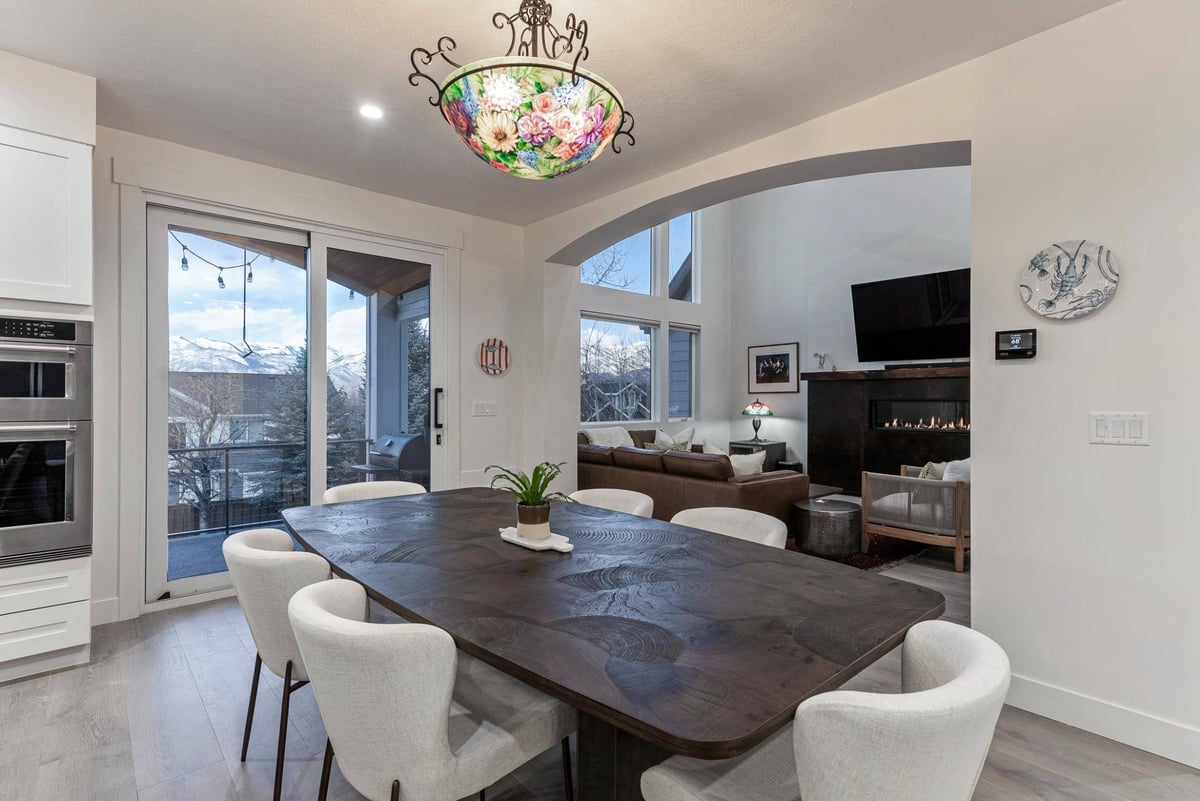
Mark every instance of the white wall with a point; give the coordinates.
(799, 248)
(1084, 557)
(491, 305)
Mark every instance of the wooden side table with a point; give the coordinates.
(776, 451)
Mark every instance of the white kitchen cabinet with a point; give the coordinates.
(45, 218)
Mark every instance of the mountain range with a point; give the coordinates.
(346, 367)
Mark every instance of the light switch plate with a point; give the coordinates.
(483, 409)
(1119, 428)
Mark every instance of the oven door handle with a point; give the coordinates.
(34, 428)
(27, 348)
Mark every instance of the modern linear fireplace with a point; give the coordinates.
(880, 420)
(921, 415)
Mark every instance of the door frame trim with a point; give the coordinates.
(188, 192)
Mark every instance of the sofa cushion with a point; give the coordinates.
(612, 436)
(683, 437)
(748, 464)
(595, 454)
(641, 436)
(697, 465)
(957, 471)
(638, 459)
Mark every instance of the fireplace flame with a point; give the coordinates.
(933, 424)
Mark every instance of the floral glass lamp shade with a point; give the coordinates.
(756, 412)
(527, 113)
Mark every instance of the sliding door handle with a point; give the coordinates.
(437, 407)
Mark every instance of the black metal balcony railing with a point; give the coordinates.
(227, 487)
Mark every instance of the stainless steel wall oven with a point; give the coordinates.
(45, 440)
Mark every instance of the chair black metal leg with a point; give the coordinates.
(568, 782)
(326, 767)
(396, 790)
(250, 709)
(481, 798)
(283, 724)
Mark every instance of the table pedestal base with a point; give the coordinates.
(611, 761)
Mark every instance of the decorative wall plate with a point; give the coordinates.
(493, 356)
(1069, 280)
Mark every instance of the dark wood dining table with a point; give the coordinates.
(666, 639)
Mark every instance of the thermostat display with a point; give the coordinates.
(1016, 344)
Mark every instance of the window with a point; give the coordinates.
(616, 370)
(637, 346)
(626, 265)
(681, 373)
(679, 258)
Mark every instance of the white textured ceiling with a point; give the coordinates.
(279, 81)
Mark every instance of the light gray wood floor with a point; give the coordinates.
(158, 716)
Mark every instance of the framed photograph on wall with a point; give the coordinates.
(773, 368)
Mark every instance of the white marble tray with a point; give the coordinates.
(555, 542)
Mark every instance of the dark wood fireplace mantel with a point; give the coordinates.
(842, 441)
(946, 371)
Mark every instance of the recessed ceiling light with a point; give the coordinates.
(371, 112)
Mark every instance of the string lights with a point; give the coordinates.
(247, 266)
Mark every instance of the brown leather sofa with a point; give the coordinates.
(679, 480)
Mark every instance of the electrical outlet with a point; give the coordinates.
(1119, 428)
(483, 409)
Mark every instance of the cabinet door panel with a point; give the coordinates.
(45, 218)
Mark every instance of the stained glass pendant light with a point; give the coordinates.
(529, 113)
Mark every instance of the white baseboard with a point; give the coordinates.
(105, 610)
(1167, 738)
(45, 663)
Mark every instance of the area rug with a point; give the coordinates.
(886, 553)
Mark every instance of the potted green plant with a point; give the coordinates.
(533, 496)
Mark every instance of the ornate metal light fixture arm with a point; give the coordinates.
(624, 129)
(444, 45)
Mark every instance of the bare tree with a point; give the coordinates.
(607, 268)
(201, 408)
(614, 374)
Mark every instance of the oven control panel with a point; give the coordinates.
(23, 328)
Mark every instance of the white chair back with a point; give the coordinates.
(369, 490)
(266, 571)
(616, 500)
(927, 744)
(383, 692)
(741, 523)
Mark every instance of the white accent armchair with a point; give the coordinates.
(266, 570)
(616, 500)
(406, 714)
(743, 524)
(370, 490)
(927, 744)
(926, 510)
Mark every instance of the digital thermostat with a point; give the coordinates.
(1020, 344)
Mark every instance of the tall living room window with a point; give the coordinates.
(639, 328)
(616, 369)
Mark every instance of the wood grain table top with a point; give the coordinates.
(697, 643)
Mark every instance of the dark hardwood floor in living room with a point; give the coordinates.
(158, 715)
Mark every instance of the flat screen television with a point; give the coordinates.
(917, 317)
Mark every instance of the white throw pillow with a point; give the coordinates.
(958, 471)
(747, 464)
(713, 449)
(611, 437)
(683, 437)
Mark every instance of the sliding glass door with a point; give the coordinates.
(280, 363)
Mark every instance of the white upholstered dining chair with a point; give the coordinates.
(928, 743)
(406, 714)
(266, 570)
(370, 490)
(616, 500)
(744, 524)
